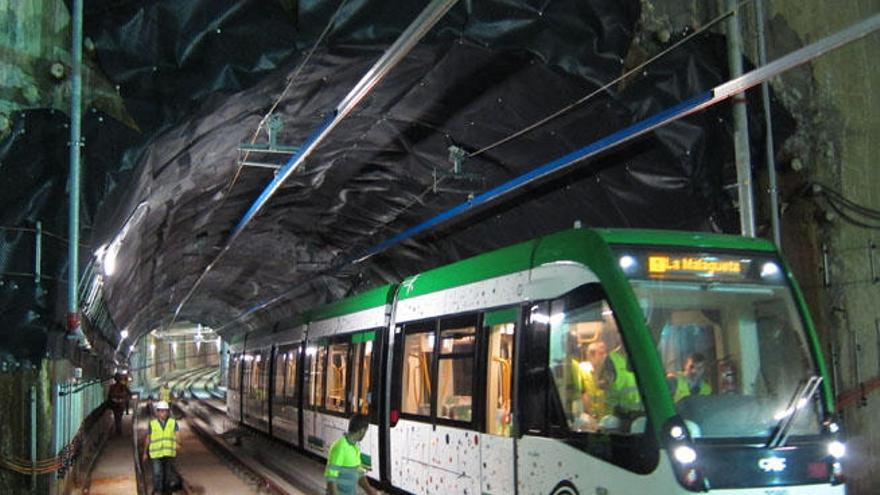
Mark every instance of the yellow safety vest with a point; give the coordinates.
(683, 388)
(163, 441)
(624, 390)
(344, 466)
(165, 394)
(599, 406)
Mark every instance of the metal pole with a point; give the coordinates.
(741, 126)
(73, 185)
(38, 258)
(768, 128)
(33, 436)
(717, 94)
(392, 56)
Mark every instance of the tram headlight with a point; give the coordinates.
(676, 432)
(770, 270)
(685, 454)
(837, 449)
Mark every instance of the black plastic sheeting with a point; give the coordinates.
(199, 76)
(34, 167)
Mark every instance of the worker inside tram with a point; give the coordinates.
(591, 366)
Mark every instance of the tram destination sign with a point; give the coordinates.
(692, 266)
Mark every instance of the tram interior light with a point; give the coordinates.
(685, 454)
(557, 318)
(837, 449)
(540, 318)
(310, 351)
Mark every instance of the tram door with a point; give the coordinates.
(435, 445)
(496, 445)
(452, 392)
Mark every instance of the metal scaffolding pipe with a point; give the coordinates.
(74, 180)
(716, 95)
(740, 126)
(33, 414)
(392, 56)
(768, 125)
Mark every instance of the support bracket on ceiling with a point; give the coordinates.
(457, 175)
(273, 126)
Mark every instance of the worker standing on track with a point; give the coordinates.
(118, 397)
(344, 470)
(165, 393)
(160, 445)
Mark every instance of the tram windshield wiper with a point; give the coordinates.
(786, 418)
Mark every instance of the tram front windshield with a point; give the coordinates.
(731, 341)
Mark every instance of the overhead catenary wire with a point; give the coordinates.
(393, 55)
(608, 85)
(697, 103)
(290, 81)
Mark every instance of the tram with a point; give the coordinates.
(587, 361)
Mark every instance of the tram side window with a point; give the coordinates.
(292, 362)
(235, 376)
(280, 364)
(337, 373)
(285, 375)
(418, 352)
(318, 358)
(258, 370)
(246, 367)
(455, 371)
(362, 365)
(590, 365)
(499, 371)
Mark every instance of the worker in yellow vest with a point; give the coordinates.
(165, 393)
(344, 472)
(692, 380)
(160, 445)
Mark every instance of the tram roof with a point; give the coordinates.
(373, 298)
(573, 244)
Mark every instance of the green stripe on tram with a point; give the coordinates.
(363, 337)
(374, 298)
(498, 317)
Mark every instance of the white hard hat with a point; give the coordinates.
(162, 405)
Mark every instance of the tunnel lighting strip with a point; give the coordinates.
(392, 56)
(716, 95)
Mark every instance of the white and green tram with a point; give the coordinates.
(565, 365)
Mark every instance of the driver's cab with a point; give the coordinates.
(590, 364)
